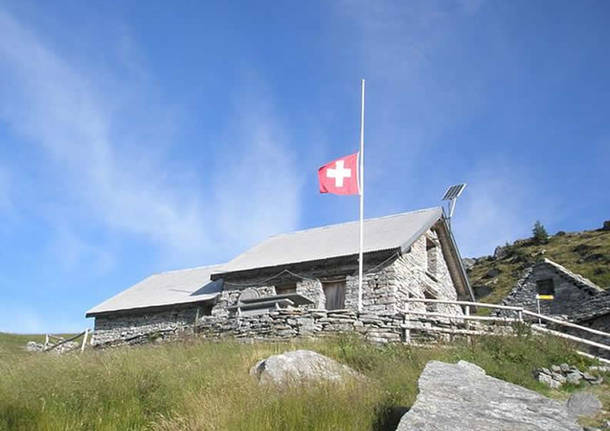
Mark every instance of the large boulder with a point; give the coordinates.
(583, 404)
(460, 396)
(300, 366)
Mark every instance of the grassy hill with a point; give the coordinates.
(202, 385)
(586, 253)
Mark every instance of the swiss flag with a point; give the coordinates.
(340, 176)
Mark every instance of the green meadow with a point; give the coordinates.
(203, 385)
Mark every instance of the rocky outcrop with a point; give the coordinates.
(300, 366)
(558, 375)
(460, 396)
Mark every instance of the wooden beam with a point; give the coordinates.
(569, 324)
(571, 337)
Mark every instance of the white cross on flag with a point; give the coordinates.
(340, 176)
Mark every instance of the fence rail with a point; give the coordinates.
(520, 312)
(48, 346)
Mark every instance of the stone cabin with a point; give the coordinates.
(313, 272)
(575, 298)
(549, 278)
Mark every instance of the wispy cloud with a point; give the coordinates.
(256, 190)
(19, 319)
(116, 171)
(498, 206)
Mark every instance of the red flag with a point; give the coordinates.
(340, 176)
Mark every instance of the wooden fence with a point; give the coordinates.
(519, 313)
(52, 342)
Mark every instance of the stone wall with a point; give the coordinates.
(389, 279)
(385, 285)
(123, 328)
(290, 323)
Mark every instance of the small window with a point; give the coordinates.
(545, 287)
(431, 256)
(283, 289)
(335, 294)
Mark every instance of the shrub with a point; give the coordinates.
(539, 233)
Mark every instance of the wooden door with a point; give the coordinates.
(335, 295)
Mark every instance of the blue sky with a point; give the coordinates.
(137, 138)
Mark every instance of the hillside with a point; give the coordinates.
(586, 253)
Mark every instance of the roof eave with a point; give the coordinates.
(284, 266)
(93, 313)
(468, 292)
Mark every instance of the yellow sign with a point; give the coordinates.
(544, 297)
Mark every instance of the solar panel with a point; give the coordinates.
(453, 192)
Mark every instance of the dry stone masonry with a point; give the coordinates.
(304, 283)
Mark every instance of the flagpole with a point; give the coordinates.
(361, 159)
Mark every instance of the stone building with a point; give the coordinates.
(594, 312)
(549, 278)
(300, 283)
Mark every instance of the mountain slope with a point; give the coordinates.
(586, 253)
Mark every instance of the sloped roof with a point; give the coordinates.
(167, 288)
(397, 231)
(577, 279)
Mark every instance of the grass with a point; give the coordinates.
(586, 253)
(199, 385)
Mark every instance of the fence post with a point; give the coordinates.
(406, 321)
(467, 322)
(46, 341)
(82, 348)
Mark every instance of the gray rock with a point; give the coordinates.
(573, 378)
(559, 377)
(493, 272)
(564, 367)
(556, 368)
(501, 252)
(300, 366)
(548, 380)
(461, 397)
(468, 263)
(583, 404)
(33, 346)
(588, 377)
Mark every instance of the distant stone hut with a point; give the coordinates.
(569, 290)
(300, 283)
(575, 298)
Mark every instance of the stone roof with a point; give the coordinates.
(167, 288)
(577, 279)
(395, 232)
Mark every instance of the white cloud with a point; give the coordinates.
(57, 104)
(257, 189)
(72, 252)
